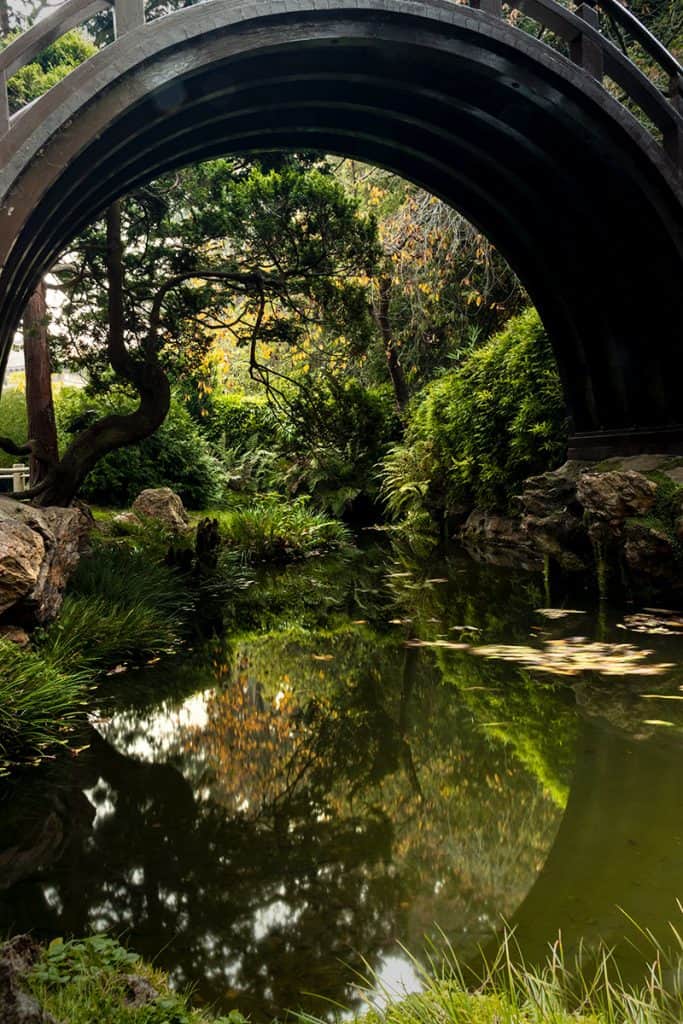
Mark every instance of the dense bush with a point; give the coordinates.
(480, 430)
(324, 443)
(334, 436)
(239, 421)
(13, 421)
(177, 455)
(48, 68)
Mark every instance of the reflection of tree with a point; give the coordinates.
(266, 907)
(325, 796)
(372, 727)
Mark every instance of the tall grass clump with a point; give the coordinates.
(39, 703)
(122, 605)
(273, 529)
(589, 989)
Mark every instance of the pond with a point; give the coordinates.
(380, 753)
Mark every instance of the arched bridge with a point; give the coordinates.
(537, 144)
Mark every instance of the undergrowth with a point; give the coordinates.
(82, 981)
(586, 989)
(274, 530)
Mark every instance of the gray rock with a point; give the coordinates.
(139, 991)
(675, 474)
(164, 506)
(648, 553)
(39, 550)
(551, 492)
(18, 1007)
(126, 522)
(499, 540)
(16, 635)
(616, 494)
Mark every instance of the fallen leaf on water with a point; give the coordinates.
(437, 643)
(558, 613)
(438, 579)
(398, 575)
(322, 657)
(653, 620)
(656, 721)
(660, 696)
(476, 629)
(359, 622)
(574, 655)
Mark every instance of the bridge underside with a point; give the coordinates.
(563, 181)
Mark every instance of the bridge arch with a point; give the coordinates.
(586, 205)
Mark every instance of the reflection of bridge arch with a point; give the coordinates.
(586, 205)
(619, 849)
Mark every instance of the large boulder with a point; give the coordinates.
(499, 540)
(617, 494)
(552, 517)
(164, 506)
(39, 550)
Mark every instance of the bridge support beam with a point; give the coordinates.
(607, 444)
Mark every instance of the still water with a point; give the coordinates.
(379, 752)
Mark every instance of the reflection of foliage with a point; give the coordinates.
(535, 721)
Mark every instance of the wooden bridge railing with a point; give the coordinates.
(588, 47)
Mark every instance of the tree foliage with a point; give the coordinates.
(479, 430)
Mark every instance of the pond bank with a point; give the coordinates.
(615, 528)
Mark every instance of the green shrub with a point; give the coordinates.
(276, 530)
(38, 703)
(176, 456)
(334, 436)
(239, 421)
(13, 421)
(480, 430)
(50, 67)
(86, 980)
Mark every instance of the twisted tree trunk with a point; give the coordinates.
(64, 479)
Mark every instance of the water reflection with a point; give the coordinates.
(308, 797)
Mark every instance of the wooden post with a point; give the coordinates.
(128, 14)
(583, 50)
(673, 134)
(18, 476)
(4, 105)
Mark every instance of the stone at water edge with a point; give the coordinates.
(17, 957)
(164, 506)
(39, 550)
(617, 494)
